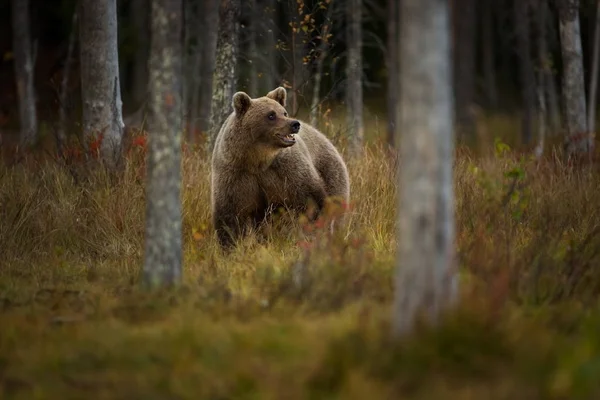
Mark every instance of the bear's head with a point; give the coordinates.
(265, 119)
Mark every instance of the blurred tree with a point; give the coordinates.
(464, 43)
(526, 72)
(393, 89)
(426, 281)
(224, 78)
(489, 52)
(140, 13)
(208, 41)
(163, 255)
(102, 118)
(24, 72)
(591, 124)
(354, 66)
(321, 54)
(578, 142)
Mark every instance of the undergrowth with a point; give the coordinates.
(302, 314)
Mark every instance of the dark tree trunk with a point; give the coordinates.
(192, 60)
(354, 90)
(100, 84)
(163, 256)
(64, 98)
(224, 79)
(464, 64)
(393, 88)
(140, 10)
(24, 72)
(208, 37)
(489, 67)
(591, 124)
(578, 141)
(426, 279)
(270, 53)
(253, 49)
(542, 76)
(526, 72)
(321, 55)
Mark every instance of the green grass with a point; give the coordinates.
(74, 322)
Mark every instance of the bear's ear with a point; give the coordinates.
(279, 95)
(241, 103)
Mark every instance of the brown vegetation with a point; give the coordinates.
(303, 315)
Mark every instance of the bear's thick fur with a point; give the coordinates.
(262, 159)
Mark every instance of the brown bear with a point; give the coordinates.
(262, 160)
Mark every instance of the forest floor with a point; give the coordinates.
(74, 322)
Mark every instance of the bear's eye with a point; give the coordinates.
(285, 114)
(272, 116)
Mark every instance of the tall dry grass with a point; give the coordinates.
(302, 314)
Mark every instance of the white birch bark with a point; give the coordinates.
(100, 83)
(426, 281)
(163, 255)
(354, 90)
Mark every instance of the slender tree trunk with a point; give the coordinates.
(426, 281)
(99, 69)
(321, 55)
(139, 20)
(224, 78)
(163, 255)
(208, 38)
(253, 49)
(554, 110)
(591, 124)
(464, 64)
(193, 26)
(573, 80)
(393, 89)
(24, 72)
(271, 55)
(354, 91)
(526, 72)
(194, 29)
(489, 68)
(62, 119)
(542, 76)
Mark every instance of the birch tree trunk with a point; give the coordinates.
(573, 80)
(354, 91)
(526, 73)
(208, 37)
(163, 255)
(224, 78)
(591, 124)
(393, 89)
(24, 72)
(426, 281)
(321, 54)
(102, 117)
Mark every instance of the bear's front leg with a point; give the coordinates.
(235, 206)
(315, 193)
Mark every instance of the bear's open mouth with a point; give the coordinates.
(288, 139)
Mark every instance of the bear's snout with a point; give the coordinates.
(295, 126)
